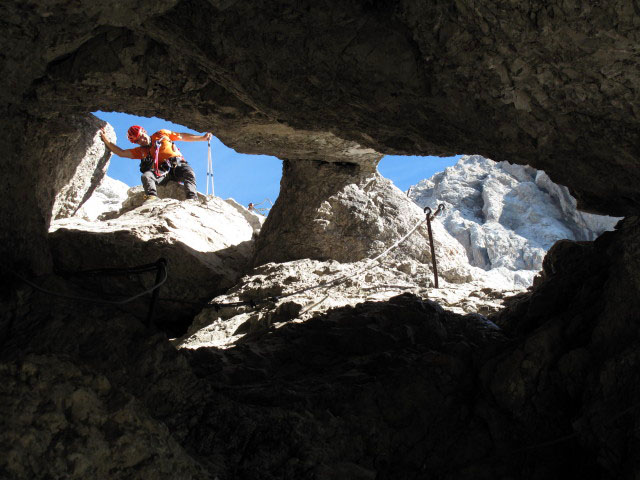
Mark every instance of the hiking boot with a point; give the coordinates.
(150, 199)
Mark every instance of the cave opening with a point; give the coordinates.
(245, 178)
(500, 219)
(506, 216)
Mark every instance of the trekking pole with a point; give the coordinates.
(209, 168)
(430, 217)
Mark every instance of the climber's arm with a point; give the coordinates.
(188, 137)
(113, 148)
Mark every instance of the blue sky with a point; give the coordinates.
(247, 178)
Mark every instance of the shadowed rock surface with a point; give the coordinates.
(386, 389)
(393, 389)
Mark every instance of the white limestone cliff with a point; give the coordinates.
(107, 197)
(506, 216)
(207, 243)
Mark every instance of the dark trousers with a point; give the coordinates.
(182, 173)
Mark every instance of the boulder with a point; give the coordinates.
(135, 197)
(208, 247)
(276, 294)
(87, 160)
(347, 213)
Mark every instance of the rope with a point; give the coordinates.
(370, 264)
(327, 283)
(96, 300)
(265, 200)
(149, 267)
(253, 303)
(253, 207)
(261, 211)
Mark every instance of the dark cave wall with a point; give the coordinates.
(395, 389)
(554, 86)
(42, 158)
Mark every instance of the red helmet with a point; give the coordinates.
(134, 133)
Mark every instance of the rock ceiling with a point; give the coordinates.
(554, 86)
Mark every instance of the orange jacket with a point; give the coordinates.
(167, 147)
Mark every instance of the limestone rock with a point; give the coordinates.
(135, 197)
(335, 392)
(536, 72)
(336, 92)
(255, 219)
(208, 246)
(586, 226)
(506, 216)
(279, 293)
(88, 159)
(52, 174)
(338, 388)
(584, 350)
(351, 214)
(108, 434)
(400, 389)
(108, 197)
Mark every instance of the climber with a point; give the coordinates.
(160, 160)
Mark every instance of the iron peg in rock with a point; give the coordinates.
(430, 217)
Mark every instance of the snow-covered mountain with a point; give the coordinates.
(506, 216)
(107, 197)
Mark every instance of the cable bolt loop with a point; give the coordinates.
(428, 211)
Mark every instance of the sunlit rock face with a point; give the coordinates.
(208, 245)
(506, 216)
(107, 197)
(74, 187)
(346, 212)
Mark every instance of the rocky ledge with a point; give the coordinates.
(207, 243)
